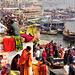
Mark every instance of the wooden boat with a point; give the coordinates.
(52, 32)
(56, 25)
(69, 37)
(58, 66)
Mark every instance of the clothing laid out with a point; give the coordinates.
(28, 38)
(32, 30)
(18, 42)
(8, 44)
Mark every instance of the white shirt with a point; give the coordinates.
(41, 51)
(37, 54)
(2, 28)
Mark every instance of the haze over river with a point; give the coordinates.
(52, 4)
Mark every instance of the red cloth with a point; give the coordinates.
(42, 70)
(28, 38)
(8, 44)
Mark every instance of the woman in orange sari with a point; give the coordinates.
(25, 61)
(35, 66)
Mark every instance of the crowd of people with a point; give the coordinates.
(51, 51)
(11, 24)
(20, 63)
(44, 54)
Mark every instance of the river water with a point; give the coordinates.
(52, 4)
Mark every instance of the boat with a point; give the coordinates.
(47, 10)
(51, 32)
(70, 19)
(46, 30)
(69, 37)
(53, 25)
(58, 63)
(57, 66)
(56, 25)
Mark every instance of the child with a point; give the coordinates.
(4, 70)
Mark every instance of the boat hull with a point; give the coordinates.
(68, 37)
(48, 33)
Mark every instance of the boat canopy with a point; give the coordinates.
(56, 20)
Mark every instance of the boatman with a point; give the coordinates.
(68, 31)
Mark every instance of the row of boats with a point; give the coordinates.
(67, 14)
(54, 28)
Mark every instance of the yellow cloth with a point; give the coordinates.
(32, 30)
(12, 73)
(22, 32)
(36, 68)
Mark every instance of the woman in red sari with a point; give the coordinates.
(44, 54)
(51, 49)
(43, 70)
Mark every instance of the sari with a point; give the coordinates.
(25, 63)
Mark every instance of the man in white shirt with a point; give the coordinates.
(41, 51)
(2, 28)
(37, 54)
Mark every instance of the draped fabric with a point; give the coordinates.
(28, 38)
(18, 42)
(8, 44)
(25, 63)
(36, 68)
(32, 30)
(42, 70)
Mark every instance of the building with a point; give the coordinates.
(11, 3)
(32, 14)
(16, 3)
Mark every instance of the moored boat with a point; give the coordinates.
(69, 36)
(56, 25)
(49, 32)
